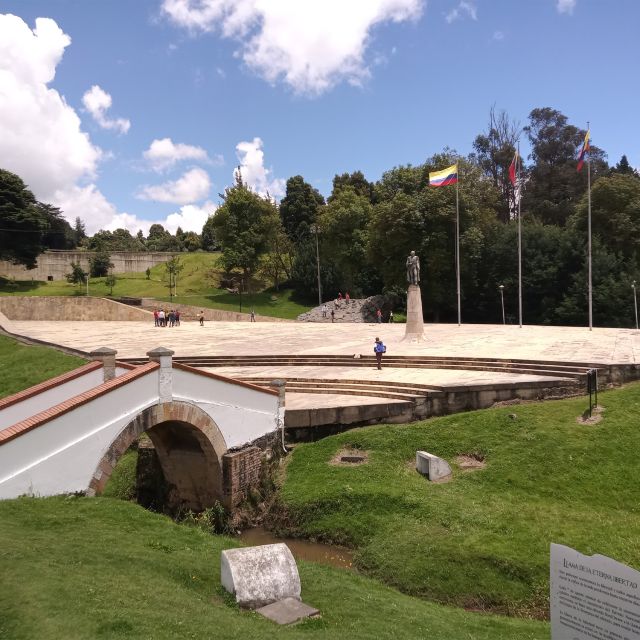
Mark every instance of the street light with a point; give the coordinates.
(316, 230)
(635, 301)
(501, 287)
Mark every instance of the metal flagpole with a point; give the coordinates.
(518, 161)
(458, 246)
(589, 227)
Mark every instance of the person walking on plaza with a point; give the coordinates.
(161, 318)
(391, 316)
(379, 349)
(346, 297)
(201, 318)
(379, 316)
(155, 318)
(253, 315)
(324, 310)
(339, 296)
(333, 315)
(177, 318)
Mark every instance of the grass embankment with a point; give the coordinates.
(80, 568)
(195, 287)
(22, 366)
(481, 540)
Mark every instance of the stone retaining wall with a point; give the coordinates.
(54, 265)
(69, 308)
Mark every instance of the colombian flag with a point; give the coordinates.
(513, 169)
(445, 177)
(583, 151)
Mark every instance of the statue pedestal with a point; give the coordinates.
(414, 331)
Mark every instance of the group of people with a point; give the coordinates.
(164, 318)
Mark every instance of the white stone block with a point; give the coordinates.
(260, 575)
(431, 466)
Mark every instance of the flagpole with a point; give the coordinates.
(589, 231)
(458, 247)
(519, 240)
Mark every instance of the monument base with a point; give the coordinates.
(414, 331)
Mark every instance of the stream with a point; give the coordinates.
(302, 549)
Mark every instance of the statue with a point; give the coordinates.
(413, 268)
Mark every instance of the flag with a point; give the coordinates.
(445, 177)
(513, 168)
(584, 150)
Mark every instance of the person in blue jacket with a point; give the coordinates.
(379, 349)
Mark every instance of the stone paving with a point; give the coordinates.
(566, 344)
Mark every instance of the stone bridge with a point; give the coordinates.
(210, 432)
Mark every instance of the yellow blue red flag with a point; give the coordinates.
(445, 177)
(584, 150)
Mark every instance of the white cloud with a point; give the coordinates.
(566, 6)
(498, 35)
(192, 186)
(189, 218)
(254, 173)
(97, 102)
(463, 9)
(310, 45)
(164, 153)
(40, 134)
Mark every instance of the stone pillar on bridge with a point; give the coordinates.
(162, 356)
(107, 356)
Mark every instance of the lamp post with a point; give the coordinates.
(87, 280)
(501, 287)
(316, 230)
(635, 301)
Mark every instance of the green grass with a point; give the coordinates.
(22, 366)
(86, 568)
(122, 482)
(481, 540)
(194, 288)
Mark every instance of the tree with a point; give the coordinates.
(77, 274)
(357, 182)
(159, 239)
(110, 281)
(495, 150)
(244, 225)
(22, 222)
(191, 241)
(148, 273)
(625, 168)
(59, 234)
(100, 264)
(79, 231)
(554, 186)
(208, 237)
(299, 207)
(172, 268)
(118, 240)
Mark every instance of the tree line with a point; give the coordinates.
(364, 230)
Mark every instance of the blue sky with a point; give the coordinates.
(286, 87)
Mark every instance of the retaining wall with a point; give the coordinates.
(69, 308)
(54, 265)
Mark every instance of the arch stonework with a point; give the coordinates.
(193, 419)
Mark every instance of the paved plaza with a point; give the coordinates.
(134, 339)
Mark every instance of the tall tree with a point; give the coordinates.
(208, 237)
(625, 168)
(59, 234)
(356, 181)
(299, 207)
(22, 222)
(79, 230)
(494, 152)
(244, 225)
(554, 186)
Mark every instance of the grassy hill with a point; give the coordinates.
(84, 568)
(481, 540)
(195, 286)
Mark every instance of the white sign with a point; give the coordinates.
(593, 597)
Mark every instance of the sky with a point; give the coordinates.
(128, 113)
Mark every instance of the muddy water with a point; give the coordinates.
(302, 549)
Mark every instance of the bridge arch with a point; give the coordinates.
(189, 445)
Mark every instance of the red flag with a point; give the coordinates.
(513, 169)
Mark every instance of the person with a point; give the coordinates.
(346, 297)
(155, 317)
(324, 310)
(172, 318)
(391, 316)
(333, 315)
(161, 318)
(253, 315)
(201, 318)
(379, 349)
(413, 268)
(379, 316)
(177, 318)
(339, 296)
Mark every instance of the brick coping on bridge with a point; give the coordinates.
(28, 424)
